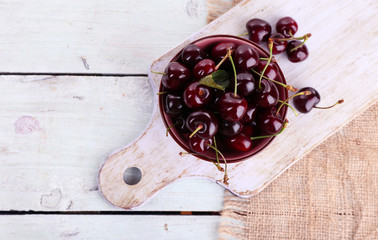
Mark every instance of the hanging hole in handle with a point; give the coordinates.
(132, 175)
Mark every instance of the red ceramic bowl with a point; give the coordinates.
(206, 44)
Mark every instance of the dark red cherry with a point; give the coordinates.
(205, 120)
(220, 51)
(180, 123)
(238, 143)
(298, 55)
(198, 144)
(268, 122)
(191, 55)
(268, 95)
(258, 30)
(173, 105)
(197, 95)
(287, 26)
(203, 68)
(232, 108)
(245, 83)
(230, 128)
(177, 76)
(270, 72)
(278, 46)
(247, 130)
(304, 103)
(251, 113)
(245, 57)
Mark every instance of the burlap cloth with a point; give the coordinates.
(329, 194)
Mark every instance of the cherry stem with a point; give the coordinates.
(161, 73)
(217, 157)
(243, 34)
(337, 103)
(223, 59)
(264, 59)
(304, 37)
(225, 178)
(235, 76)
(161, 93)
(267, 136)
(295, 95)
(288, 87)
(270, 45)
(300, 45)
(200, 126)
(169, 128)
(295, 112)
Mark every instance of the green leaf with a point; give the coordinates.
(219, 79)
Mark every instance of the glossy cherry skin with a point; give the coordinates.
(220, 50)
(278, 46)
(180, 123)
(298, 55)
(304, 103)
(245, 57)
(230, 128)
(270, 72)
(258, 30)
(173, 105)
(232, 108)
(197, 95)
(251, 114)
(203, 68)
(199, 145)
(245, 84)
(177, 76)
(205, 118)
(287, 26)
(247, 130)
(238, 143)
(268, 95)
(191, 55)
(269, 123)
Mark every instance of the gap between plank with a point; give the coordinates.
(186, 213)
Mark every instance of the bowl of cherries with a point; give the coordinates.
(221, 100)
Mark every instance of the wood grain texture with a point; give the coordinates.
(108, 227)
(55, 131)
(93, 36)
(339, 66)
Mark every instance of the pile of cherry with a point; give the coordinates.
(224, 100)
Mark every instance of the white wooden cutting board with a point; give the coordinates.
(342, 64)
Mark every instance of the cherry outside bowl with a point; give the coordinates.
(207, 43)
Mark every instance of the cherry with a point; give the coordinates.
(251, 113)
(304, 103)
(180, 124)
(197, 95)
(238, 143)
(278, 46)
(246, 57)
(268, 95)
(258, 30)
(173, 105)
(232, 107)
(176, 77)
(268, 122)
(203, 68)
(247, 130)
(221, 50)
(245, 83)
(198, 144)
(296, 51)
(230, 128)
(191, 55)
(270, 72)
(287, 26)
(203, 123)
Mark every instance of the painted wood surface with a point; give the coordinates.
(55, 131)
(338, 56)
(93, 36)
(108, 227)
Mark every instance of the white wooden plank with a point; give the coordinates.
(55, 131)
(104, 227)
(93, 35)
